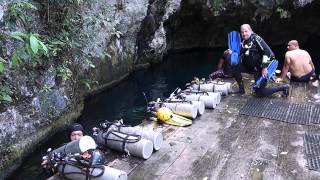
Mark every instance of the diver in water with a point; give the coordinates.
(75, 133)
(254, 55)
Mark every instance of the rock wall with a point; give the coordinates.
(100, 51)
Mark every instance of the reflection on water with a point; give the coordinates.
(126, 100)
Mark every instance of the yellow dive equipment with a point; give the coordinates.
(167, 116)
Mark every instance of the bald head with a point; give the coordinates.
(246, 26)
(292, 45)
(246, 31)
(294, 42)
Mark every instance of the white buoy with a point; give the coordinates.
(104, 173)
(115, 140)
(188, 110)
(155, 137)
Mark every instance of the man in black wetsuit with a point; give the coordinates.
(254, 55)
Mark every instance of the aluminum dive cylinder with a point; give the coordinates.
(224, 88)
(95, 173)
(76, 147)
(188, 110)
(209, 101)
(123, 142)
(207, 87)
(155, 137)
(200, 105)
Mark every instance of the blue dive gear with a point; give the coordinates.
(234, 45)
(271, 70)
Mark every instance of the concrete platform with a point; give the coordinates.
(224, 145)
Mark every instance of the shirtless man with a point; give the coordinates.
(298, 62)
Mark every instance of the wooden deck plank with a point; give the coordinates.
(160, 161)
(222, 144)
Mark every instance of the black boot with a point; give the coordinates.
(285, 89)
(241, 89)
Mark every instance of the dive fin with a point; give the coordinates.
(272, 67)
(177, 120)
(180, 120)
(234, 41)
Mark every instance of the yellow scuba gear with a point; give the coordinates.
(167, 116)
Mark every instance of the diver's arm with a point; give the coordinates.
(221, 60)
(285, 68)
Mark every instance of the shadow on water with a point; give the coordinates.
(126, 100)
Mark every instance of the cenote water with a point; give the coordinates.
(127, 102)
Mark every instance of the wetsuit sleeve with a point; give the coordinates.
(265, 49)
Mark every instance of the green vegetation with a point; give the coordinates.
(5, 93)
(2, 62)
(284, 14)
(64, 72)
(20, 12)
(217, 6)
(46, 88)
(32, 51)
(45, 33)
(88, 83)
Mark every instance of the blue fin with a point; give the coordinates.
(234, 44)
(271, 70)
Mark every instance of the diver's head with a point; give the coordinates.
(245, 31)
(76, 131)
(292, 45)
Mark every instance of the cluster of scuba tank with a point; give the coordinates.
(131, 140)
(135, 141)
(179, 109)
(68, 161)
(182, 106)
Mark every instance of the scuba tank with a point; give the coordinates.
(155, 137)
(132, 144)
(75, 147)
(77, 168)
